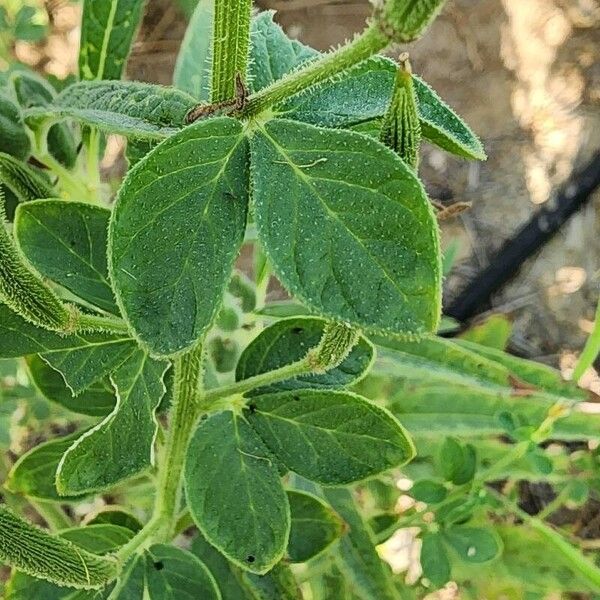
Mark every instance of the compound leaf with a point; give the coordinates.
(121, 445)
(335, 208)
(141, 111)
(289, 340)
(315, 526)
(333, 438)
(107, 31)
(66, 242)
(235, 494)
(183, 209)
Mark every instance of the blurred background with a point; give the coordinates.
(524, 74)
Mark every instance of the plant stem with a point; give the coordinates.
(295, 369)
(184, 415)
(88, 322)
(368, 43)
(52, 513)
(75, 189)
(576, 560)
(231, 42)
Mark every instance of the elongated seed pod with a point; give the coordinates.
(336, 343)
(406, 20)
(22, 180)
(35, 552)
(401, 130)
(23, 290)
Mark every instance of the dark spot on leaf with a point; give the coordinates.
(159, 565)
(252, 408)
(297, 398)
(250, 558)
(297, 330)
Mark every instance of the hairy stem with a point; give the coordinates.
(368, 43)
(88, 322)
(576, 560)
(184, 415)
(231, 43)
(52, 513)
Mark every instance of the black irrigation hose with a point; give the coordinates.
(526, 242)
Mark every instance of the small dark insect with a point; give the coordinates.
(159, 565)
(227, 106)
(250, 558)
(447, 212)
(297, 330)
(252, 408)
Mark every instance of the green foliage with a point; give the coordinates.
(383, 235)
(172, 296)
(107, 31)
(144, 371)
(249, 486)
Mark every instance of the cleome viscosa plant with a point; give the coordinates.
(219, 446)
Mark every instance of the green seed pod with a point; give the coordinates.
(35, 552)
(401, 130)
(406, 20)
(228, 319)
(335, 345)
(32, 90)
(22, 180)
(224, 354)
(243, 289)
(23, 290)
(13, 134)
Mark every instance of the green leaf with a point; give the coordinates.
(229, 471)
(278, 584)
(474, 544)
(98, 539)
(288, 341)
(166, 573)
(443, 127)
(358, 559)
(311, 185)
(114, 515)
(447, 409)
(81, 358)
(97, 400)
(226, 574)
(494, 332)
(26, 183)
(450, 458)
(434, 559)
(434, 359)
(273, 54)
(183, 208)
(33, 474)
(37, 553)
(315, 526)
(13, 135)
(333, 438)
(360, 95)
(194, 61)
(66, 242)
(428, 491)
(541, 376)
(107, 32)
(25, 26)
(122, 444)
(141, 111)
(33, 90)
(590, 351)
